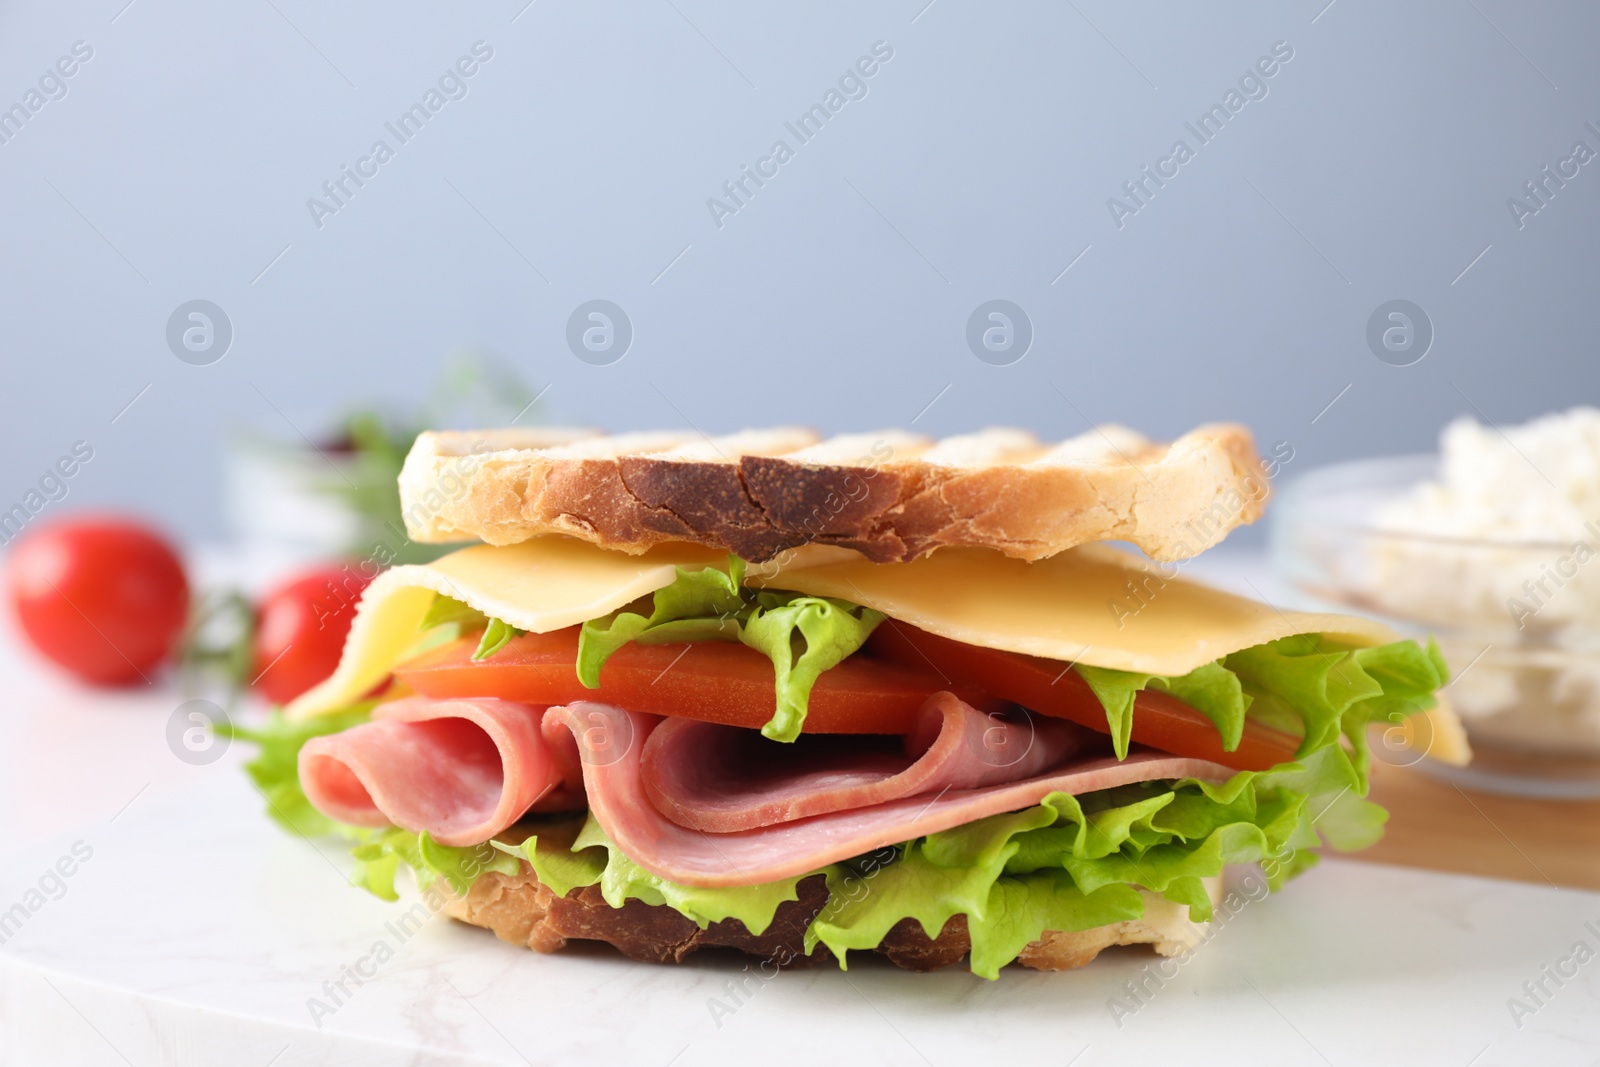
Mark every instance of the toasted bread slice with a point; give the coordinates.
(890, 495)
(519, 909)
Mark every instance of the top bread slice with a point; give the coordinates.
(890, 495)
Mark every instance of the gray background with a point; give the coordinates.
(977, 167)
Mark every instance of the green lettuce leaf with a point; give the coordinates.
(919, 886)
(496, 635)
(1020, 909)
(830, 629)
(623, 880)
(1213, 690)
(1073, 863)
(1308, 686)
(1324, 691)
(375, 870)
(449, 618)
(555, 859)
(711, 605)
(566, 859)
(445, 610)
(378, 858)
(702, 596)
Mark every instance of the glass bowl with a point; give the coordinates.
(1518, 621)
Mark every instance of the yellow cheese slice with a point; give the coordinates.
(1093, 604)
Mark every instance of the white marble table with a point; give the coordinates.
(195, 933)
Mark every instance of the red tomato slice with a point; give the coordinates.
(712, 681)
(1050, 688)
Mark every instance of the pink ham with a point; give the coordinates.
(463, 770)
(612, 743)
(721, 779)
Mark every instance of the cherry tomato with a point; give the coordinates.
(300, 630)
(711, 680)
(103, 597)
(1050, 688)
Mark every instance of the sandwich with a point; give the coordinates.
(875, 693)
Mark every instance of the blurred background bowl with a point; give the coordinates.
(1518, 621)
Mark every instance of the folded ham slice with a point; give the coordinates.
(463, 770)
(612, 743)
(720, 779)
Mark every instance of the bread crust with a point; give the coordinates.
(892, 497)
(521, 910)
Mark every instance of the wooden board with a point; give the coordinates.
(1439, 826)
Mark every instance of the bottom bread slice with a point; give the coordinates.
(519, 909)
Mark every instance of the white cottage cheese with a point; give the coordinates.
(1516, 569)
